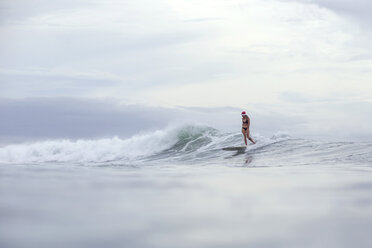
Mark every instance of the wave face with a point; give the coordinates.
(190, 144)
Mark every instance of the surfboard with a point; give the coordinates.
(235, 148)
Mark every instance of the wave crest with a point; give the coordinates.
(102, 150)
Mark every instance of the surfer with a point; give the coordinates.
(245, 128)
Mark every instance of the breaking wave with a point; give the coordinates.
(188, 143)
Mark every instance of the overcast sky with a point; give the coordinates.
(307, 62)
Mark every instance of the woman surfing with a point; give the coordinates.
(245, 127)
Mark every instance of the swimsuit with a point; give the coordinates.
(245, 122)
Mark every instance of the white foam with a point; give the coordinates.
(98, 150)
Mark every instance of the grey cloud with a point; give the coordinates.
(15, 10)
(51, 84)
(324, 118)
(55, 48)
(361, 57)
(38, 118)
(210, 19)
(294, 97)
(358, 9)
(148, 59)
(149, 54)
(208, 110)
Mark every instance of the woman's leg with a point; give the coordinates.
(245, 136)
(249, 137)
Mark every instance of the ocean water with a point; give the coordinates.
(177, 188)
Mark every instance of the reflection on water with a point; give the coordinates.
(248, 159)
(181, 206)
(241, 152)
